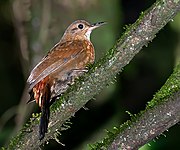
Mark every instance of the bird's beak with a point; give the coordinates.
(92, 27)
(98, 24)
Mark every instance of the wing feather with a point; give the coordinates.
(61, 54)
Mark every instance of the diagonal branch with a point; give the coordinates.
(161, 113)
(138, 35)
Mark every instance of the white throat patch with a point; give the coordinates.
(88, 33)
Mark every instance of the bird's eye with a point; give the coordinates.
(80, 26)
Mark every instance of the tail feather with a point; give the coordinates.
(45, 109)
(44, 120)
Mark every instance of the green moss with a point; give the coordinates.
(14, 142)
(171, 86)
(111, 135)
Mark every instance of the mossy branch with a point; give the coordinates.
(162, 112)
(102, 74)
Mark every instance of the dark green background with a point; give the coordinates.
(135, 86)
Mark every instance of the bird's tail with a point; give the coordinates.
(45, 112)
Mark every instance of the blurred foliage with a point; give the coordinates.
(41, 24)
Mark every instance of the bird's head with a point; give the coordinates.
(81, 30)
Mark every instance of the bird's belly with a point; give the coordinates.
(63, 79)
(62, 82)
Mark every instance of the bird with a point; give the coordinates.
(66, 61)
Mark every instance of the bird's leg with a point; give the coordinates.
(75, 73)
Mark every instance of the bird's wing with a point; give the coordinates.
(58, 57)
